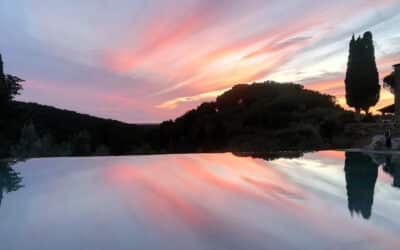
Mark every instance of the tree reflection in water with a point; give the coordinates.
(361, 174)
(10, 180)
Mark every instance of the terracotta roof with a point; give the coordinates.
(387, 109)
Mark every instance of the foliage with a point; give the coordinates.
(362, 79)
(9, 86)
(389, 81)
(33, 130)
(261, 116)
(258, 117)
(30, 144)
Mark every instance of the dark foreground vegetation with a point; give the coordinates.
(259, 117)
(32, 130)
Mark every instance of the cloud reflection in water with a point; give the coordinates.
(196, 201)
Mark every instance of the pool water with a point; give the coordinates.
(323, 200)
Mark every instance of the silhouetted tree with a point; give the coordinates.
(362, 78)
(9, 179)
(257, 117)
(361, 174)
(31, 144)
(28, 144)
(9, 86)
(102, 150)
(81, 143)
(389, 81)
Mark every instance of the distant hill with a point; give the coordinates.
(260, 117)
(66, 128)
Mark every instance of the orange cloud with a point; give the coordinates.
(325, 86)
(191, 54)
(200, 97)
(338, 155)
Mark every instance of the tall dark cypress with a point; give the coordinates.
(362, 77)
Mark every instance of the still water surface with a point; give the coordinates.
(324, 200)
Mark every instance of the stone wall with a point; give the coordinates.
(371, 135)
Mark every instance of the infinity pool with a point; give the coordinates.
(323, 200)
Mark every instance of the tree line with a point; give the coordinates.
(260, 117)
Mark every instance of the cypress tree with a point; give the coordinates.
(362, 77)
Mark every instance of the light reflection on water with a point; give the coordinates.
(324, 200)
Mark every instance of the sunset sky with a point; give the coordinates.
(147, 61)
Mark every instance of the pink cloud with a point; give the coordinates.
(175, 57)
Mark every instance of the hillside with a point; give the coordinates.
(30, 128)
(260, 117)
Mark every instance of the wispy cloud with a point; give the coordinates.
(200, 97)
(143, 61)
